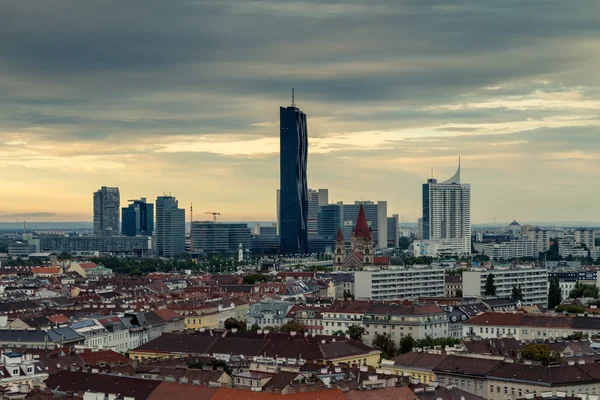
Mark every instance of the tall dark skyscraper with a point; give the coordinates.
(293, 155)
(138, 218)
(107, 203)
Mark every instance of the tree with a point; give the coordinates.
(459, 293)
(232, 323)
(490, 288)
(554, 293)
(386, 345)
(356, 332)
(517, 293)
(571, 309)
(252, 279)
(539, 352)
(339, 332)
(293, 326)
(430, 342)
(584, 290)
(407, 343)
(255, 327)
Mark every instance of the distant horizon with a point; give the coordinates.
(89, 224)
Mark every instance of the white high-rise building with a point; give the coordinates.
(585, 236)
(447, 212)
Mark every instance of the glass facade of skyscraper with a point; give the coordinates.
(138, 218)
(293, 212)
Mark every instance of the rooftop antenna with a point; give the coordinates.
(293, 102)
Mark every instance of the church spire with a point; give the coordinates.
(340, 235)
(362, 226)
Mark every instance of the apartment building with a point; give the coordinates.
(400, 320)
(342, 314)
(399, 283)
(529, 326)
(533, 283)
(511, 250)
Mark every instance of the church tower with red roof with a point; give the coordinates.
(361, 246)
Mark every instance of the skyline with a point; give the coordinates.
(183, 98)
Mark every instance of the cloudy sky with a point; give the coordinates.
(183, 96)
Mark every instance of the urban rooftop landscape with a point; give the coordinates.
(434, 235)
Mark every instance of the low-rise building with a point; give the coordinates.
(17, 369)
(266, 314)
(418, 365)
(529, 326)
(453, 285)
(399, 320)
(260, 347)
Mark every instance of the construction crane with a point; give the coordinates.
(214, 214)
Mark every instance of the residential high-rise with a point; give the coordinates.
(138, 218)
(585, 236)
(447, 212)
(107, 203)
(293, 204)
(170, 227)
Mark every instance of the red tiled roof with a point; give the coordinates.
(236, 394)
(358, 255)
(45, 270)
(89, 265)
(93, 358)
(179, 391)
(496, 319)
(362, 226)
(167, 314)
(59, 319)
(397, 393)
(381, 260)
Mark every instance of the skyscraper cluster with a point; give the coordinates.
(138, 220)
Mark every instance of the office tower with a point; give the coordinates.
(316, 198)
(170, 227)
(138, 218)
(278, 210)
(107, 203)
(376, 214)
(293, 204)
(447, 212)
(392, 231)
(329, 220)
(220, 238)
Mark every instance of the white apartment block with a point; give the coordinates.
(568, 247)
(399, 283)
(541, 236)
(595, 253)
(511, 250)
(585, 236)
(533, 283)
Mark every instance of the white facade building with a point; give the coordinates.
(533, 283)
(542, 236)
(585, 236)
(447, 212)
(400, 283)
(511, 250)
